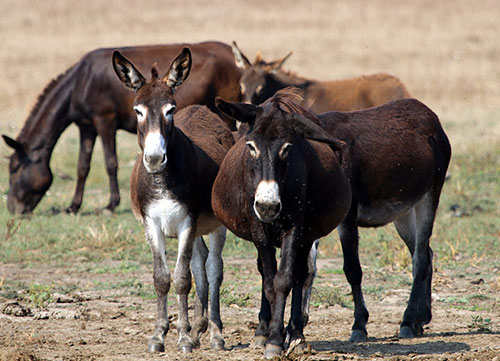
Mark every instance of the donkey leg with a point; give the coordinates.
(198, 261)
(262, 331)
(107, 131)
(308, 283)
(295, 328)
(418, 313)
(215, 267)
(283, 282)
(161, 277)
(87, 142)
(182, 283)
(348, 232)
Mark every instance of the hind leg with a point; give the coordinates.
(415, 229)
(308, 283)
(215, 267)
(198, 261)
(348, 232)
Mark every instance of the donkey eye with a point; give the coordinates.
(254, 151)
(168, 110)
(140, 111)
(285, 148)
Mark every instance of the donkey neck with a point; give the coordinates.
(284, 80)
(49, 118)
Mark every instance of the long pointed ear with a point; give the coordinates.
(242, 112)
(310, 130)
(179, 70)
(276, 65)
(240, 59)
(13, 143)
(127, 72)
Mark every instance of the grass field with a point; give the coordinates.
(447, 53)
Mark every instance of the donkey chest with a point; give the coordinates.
(168, 215)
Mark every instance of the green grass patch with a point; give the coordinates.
(330, 296)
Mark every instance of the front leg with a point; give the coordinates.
(182, 282)
(87, 142)
(262, 331)
(283, 281)
(161, 277)
(106, 128)
(301, 272)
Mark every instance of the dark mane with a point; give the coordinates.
(289, 101)
(41, 98)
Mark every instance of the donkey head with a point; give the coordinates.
(273, 156)
(256, 82)
(154, 105)
(29, 178)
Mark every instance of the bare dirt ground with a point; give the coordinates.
(90, 324)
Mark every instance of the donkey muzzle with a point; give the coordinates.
(267, 202)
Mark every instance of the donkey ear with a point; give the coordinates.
(13, 143)
(179, 70)
(274, 66)
(242, 112)
(240, 58)
(127, 72)
(310, 130)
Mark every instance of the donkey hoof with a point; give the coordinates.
(217, 344)
(156, 347)
(186, 349)
(406, 332)
(358, 336)
(260, 342)
(272, 351)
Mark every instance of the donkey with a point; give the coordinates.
(280, 186)
(89, 95)
(171, 186)
(262, 79)
(396, 156)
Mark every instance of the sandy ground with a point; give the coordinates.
(88, 324)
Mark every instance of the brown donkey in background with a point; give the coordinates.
(280, 186)
(171, 187)
(89, 95)
(262, 79)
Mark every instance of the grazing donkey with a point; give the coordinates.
(171, 186)
(89, 95)
(396, 157)
(280, 186)
(262, 79)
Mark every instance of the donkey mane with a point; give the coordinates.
(41, 98)
(289, 101)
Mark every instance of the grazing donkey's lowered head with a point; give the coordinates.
(171, 187)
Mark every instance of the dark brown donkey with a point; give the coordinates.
(171, 186)
(262, 79)
(396, 157)
(90, 95)
(280, 186)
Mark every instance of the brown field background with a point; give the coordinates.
(446, 52)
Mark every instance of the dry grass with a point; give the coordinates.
(446, 52)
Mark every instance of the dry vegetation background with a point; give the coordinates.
(446, 52)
